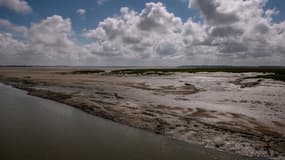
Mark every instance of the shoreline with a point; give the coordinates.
(168, 122)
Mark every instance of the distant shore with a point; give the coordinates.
(171, 103)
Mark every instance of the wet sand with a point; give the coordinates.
(217, 110)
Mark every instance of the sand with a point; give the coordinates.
(217, 110)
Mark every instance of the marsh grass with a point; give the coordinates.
(273, 73)
(83, 72)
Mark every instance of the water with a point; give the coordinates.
(32, 128)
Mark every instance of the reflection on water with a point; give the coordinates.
(35, 129)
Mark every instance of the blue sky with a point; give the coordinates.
(234, 32)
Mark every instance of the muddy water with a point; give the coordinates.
(37, 129)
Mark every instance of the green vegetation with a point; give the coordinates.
(279, 77)
(83, 72)
(195, 70)
(87, 71)
(274, 73)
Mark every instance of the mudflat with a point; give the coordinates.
(222, 110)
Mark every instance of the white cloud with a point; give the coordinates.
(10, 45)
(81, 11)
(232, 32)
(251, 34)
(9, 26)
(101, 2)
(145, 36)
(20, 6)
(232, 29)
(212, 14)
(53, 35)
(189, 4)
(50, 41)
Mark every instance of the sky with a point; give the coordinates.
(137, 33)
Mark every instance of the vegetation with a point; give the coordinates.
(87, 71)
(195, 70)
(275, 76)
(83, 72)
(275, 73)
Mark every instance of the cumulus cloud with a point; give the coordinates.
(231, 32)
(49, 41)
(6, 24)
(81, 11)
(52, 35)
(211, 13)
(10, 45)
(155, 17)
(154, 32)
(253, 33)
(20, 6)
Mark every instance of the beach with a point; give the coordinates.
(220, 110)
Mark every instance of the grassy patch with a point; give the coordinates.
(143, 71)
(195, 70)
(87, 71)
(276, 73)
(83, 72)
(275, 76)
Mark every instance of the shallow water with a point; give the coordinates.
(32, 128)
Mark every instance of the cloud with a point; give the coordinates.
(10, 45)
(186, 1)
(190, 4)
(146, 37)
(81, 11)
(252, 34)
(155, 17)
(231, 32)
(51, 34)
(157, 33)
(49, 41)
(20, 6)
(101, 2)
(6, 24)
(213, 16)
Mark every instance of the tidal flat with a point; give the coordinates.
(233, 111)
